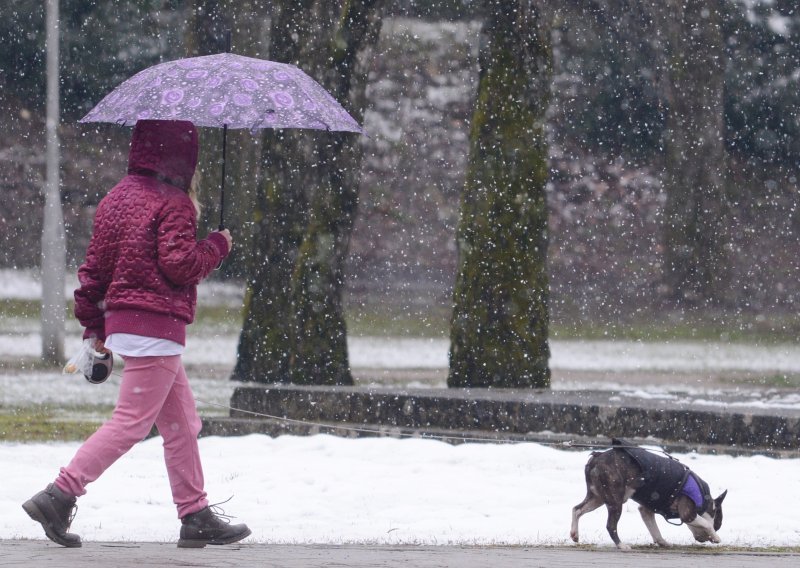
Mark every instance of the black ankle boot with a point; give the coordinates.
(205, 527)
(55, 510)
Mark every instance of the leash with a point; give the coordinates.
(378, 431)
(567, 444)
(424, 435)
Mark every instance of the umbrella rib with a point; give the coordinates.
(298, 71)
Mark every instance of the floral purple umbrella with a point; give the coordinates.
(225, 91)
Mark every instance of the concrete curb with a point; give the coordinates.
(723, 421)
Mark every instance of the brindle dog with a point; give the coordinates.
(659, 484)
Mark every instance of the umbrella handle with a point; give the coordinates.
(224, 144)
(222, 184)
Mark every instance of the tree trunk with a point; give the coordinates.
(500, 318)
(696, 162)
(206, 34)
(208, 23)
(294, 326)
(265, 344)
(247, 23)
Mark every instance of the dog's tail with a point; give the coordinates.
(590, 464)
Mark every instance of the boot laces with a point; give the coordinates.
(219, 512)
(72, 513)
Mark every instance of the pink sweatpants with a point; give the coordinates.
(154, 390)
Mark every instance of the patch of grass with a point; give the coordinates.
(27, 363)
(224, 320)
(15, 308)
(398, 322)
(782, 380)
(699, 549)
(659, 327)
(375, 319)
(405, 314)
(40, 424)
(725, 549)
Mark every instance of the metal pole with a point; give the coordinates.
(53, 265)
(222, 185)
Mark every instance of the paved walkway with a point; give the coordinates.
(44, 554)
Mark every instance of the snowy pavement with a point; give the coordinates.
(19, 553)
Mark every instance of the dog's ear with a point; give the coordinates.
(718, 510)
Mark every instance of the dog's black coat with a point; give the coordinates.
(663, 478)
(661, 485)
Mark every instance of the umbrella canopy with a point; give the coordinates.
(224, 90)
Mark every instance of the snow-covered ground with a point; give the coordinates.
(323, 489)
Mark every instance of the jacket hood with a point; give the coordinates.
(164, 149)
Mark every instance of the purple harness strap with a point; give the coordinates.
(692, 490)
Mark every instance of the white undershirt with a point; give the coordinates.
(132, 345)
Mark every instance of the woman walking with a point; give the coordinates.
(137, 294)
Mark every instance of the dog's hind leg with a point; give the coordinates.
(588, 505)
(614, 513)
(649, 518)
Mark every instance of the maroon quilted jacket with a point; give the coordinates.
(144, 262)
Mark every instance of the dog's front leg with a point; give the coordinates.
(703, 529)
(649, 518)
